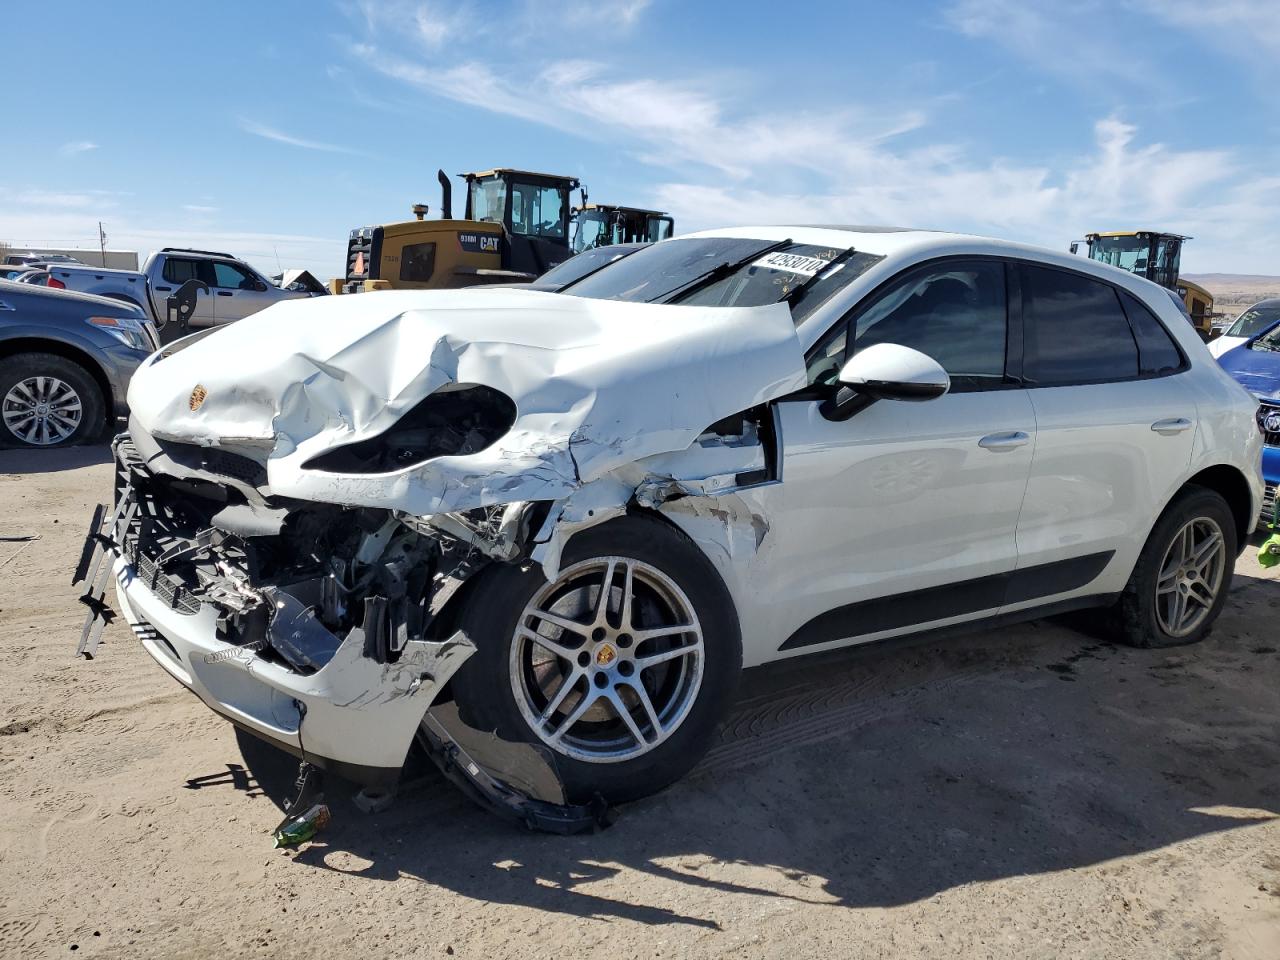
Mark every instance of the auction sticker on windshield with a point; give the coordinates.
(792, 262)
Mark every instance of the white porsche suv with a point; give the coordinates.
(573, 517)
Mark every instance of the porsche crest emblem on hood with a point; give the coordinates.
(197, 397)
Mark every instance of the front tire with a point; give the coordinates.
(627, 692)
(1180, 582)
(48, 401)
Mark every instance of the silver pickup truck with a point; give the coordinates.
(235, 288)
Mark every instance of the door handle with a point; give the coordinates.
(224, 293)
(1172, 426)
(999, 442)
(163, 289)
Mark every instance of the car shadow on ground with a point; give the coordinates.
(883, 776)
(24, 461)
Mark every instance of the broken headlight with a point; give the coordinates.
(454, 421)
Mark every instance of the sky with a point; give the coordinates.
(270, 130)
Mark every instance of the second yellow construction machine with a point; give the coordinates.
(514, 229)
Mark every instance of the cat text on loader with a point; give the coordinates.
(515, 228)
(1158, 257)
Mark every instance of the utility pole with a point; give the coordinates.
(102, 244)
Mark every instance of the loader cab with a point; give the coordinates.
(533, 209)
(1156, 256)
(603, 225)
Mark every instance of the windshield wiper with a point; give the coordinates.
(718, 272)
(794, 296)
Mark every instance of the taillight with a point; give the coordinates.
(55, 283)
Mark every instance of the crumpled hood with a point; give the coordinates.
(597, 384)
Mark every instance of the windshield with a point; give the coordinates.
(1253, 322)
(575, 268)
(591, 232)
(488, 199)
(1269, 341)
(766, 275)
(1127, 253)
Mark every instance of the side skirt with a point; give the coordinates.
(860, 619)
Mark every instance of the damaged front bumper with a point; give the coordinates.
(259, 655)
(354, 717)
(330, 664)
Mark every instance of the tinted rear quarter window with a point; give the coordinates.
(1157, 353)
(1076, 331)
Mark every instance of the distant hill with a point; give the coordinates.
(1232, 292)
(1227, 279)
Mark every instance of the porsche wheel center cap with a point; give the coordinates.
(606, 654)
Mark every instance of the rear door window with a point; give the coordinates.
(1075, 329)
(178, 270)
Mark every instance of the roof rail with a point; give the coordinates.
(208, 253)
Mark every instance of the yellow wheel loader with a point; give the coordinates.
(1158, 257)
(603, 225)
(514, 229)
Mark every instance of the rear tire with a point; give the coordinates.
(48, 401)
(586, 676)
(1182, 577)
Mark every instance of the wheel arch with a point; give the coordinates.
(450, 614)
(20, 345)
(1232, 485)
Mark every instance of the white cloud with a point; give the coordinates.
(271, 133)
(62, 199)
(199, 208)
(680, 122)
(741, 160)
(621, 14)
(77, 146)
(1074, 40)
(1238, 25)
(432, 23)
(54, 227)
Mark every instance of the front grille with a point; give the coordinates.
(172, 591)
(361, 242)
(1268, 503)
(215, 461)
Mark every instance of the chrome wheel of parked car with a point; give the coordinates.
(1191, 575)
(607, 661)
(42, 410)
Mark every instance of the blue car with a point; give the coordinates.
(1255, 363)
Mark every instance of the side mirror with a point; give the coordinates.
(885, 371)
(1075, 246)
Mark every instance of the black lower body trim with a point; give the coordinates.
(951, 600)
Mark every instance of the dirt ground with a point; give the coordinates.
(1030, 792)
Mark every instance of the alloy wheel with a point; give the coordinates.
(42, 411)
(607, 661)
(1191, 575)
